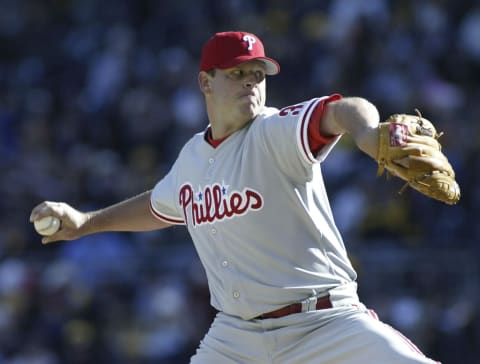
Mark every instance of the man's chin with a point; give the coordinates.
(252, 110)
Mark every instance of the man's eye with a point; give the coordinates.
(259, 75)
(237, 73)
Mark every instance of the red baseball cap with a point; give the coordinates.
(228, 49)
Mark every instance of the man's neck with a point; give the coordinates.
(225, 125)
(210, 140)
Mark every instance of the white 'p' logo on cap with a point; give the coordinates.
(250, 40)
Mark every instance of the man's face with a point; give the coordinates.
(239, 91)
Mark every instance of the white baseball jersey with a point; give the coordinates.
(258, 214)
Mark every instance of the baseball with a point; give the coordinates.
(47, 226)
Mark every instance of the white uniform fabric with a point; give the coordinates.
(335, 336)
(258, 214)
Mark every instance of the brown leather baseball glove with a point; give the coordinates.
(409, 148)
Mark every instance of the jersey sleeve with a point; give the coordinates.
(290, 134)
(316, 140)
(163, 204)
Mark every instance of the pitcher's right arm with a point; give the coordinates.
(133, 214)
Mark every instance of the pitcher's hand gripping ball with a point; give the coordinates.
(408, 148)
(47, 226)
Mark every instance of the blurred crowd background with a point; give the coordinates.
(97, 98)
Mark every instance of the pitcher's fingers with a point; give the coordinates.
(47, 208)
(58, 236)
(39, 211)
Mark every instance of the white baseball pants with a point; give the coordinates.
(341, 335)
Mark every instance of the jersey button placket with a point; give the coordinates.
(211, 162)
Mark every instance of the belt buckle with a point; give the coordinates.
(309, 304)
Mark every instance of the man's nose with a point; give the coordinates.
(250, 81)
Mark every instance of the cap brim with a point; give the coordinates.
(272, 67)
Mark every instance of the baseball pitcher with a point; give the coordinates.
(250, 191)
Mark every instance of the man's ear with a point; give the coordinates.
(204, 82)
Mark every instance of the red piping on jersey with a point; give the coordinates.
(316, 140)
(166, 218)
(302, 132)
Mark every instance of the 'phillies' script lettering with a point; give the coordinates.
(216, 203)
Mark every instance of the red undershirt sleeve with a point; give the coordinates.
(316, 140)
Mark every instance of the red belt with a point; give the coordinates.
(322, 303)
